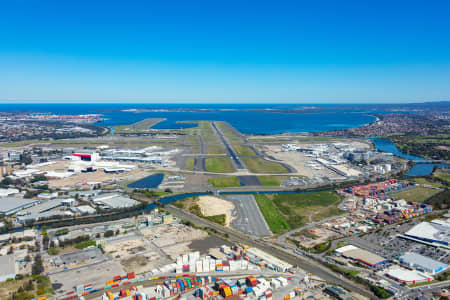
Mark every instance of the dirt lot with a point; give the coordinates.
(173, 240)
(212, 206)
(318, 236)
(124, 249)
(136, 254)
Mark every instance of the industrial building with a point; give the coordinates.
(435, 233)
(422, 263)
(270, 260)
(8, 192)
(407, 276)
(44, 210)
(11, 205)
(7, 267)
(337, 293)
(361, 255)
(113, 200)
(84, 209)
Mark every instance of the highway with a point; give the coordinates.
(309, 266)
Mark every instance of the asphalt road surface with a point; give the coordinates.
(306, 265)
(249, 218)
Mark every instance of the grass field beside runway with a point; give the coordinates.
(244, 150)
(271, 180)
(259, 165)
(219, 164)
(220, 182)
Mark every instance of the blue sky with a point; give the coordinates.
(228, 51)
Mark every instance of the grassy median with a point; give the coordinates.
(219, 182)
(271, 180)
(244, 150)
(219, 165)
(259, 165)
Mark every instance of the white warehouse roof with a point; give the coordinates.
(10, 205)
(270, 259)
(421, 261)
(345, 248)
(407, 276)
(431, 232)
(114, 201)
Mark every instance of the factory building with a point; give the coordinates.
(84, 209)
(407, 276)
(44, 210)
(270, 260)
(422, 263)
(361, 255)
(8, 192)
(113, 200)
(337, 293)
(11, 205)
(436, 233)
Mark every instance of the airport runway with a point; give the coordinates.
(231, 153)
(249, 218)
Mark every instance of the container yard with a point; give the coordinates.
(213, 287)
(378, 191)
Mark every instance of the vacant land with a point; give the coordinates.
(26, 288)
(219, 164)
(442, 175)
(421, 180)
(273, 217)
(244, 150)
(285, 211)
(230, 181)
(271, 180)
(418, 194)
(259, 165)
(216, 209)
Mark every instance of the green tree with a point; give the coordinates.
(37, 267)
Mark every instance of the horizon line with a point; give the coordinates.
(9, 102)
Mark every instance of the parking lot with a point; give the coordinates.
(386, 243)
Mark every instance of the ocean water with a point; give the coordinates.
(240, 116)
